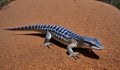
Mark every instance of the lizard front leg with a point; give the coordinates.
(47, 39)
(70, 50)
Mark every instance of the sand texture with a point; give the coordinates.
(23, 50)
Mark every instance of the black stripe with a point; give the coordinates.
(57, 28)
(63, 31)
(32, 26)
(36, 26)
(60, 29)
(47, 27)
(68, 33)
(42, 26)
(26, 27)
(74, 35)
(51, 28)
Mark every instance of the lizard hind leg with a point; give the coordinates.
(47, 39)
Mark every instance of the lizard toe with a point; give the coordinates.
(48, 44)
(75, 55)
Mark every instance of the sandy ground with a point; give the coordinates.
(23, 50)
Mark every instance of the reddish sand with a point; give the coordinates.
(23, 50)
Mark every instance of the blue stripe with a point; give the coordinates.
(50, 27)
(63, 30)
(47, 27)
(57, 28)
(53, 28)
(60, 29)
(40, 26)
(68, 33)
(44, 27)
(75, 35)
(32, 27)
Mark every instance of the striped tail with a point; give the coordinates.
(31, 27)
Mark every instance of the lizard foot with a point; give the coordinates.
(48, 44)
(75, 55)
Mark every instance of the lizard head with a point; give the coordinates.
(92, 43)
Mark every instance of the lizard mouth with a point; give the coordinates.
(97, 48)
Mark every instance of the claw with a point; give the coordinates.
(48, 44)
(75, 55)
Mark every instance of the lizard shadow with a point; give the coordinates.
(86, 52)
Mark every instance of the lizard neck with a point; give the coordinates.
(77, 37)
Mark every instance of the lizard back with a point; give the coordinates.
(59, 33)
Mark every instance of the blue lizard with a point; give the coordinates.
(65, 36)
